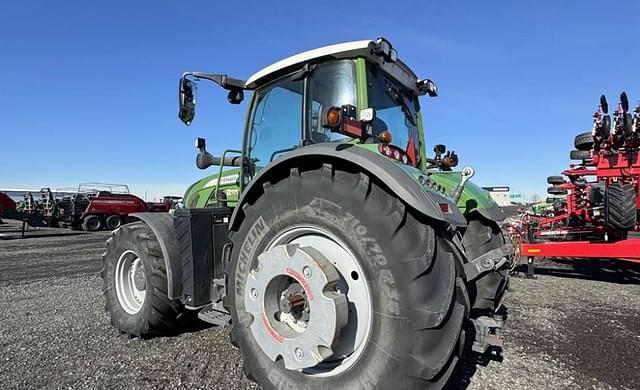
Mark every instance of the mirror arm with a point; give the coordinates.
(222, 80)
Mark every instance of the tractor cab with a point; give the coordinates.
(357, 92)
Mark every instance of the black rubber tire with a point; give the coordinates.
(620, 207)
(580, 154)
(487, 292)
(92, 223)
(418, 296)
(557, 190)
(583, 141)
(555, 179)
(159, 315)
(113, 222)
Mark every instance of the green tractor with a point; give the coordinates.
(340, 255)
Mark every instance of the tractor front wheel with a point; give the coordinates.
(334, 283)
(134, 284)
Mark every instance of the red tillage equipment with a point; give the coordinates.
(594, 218)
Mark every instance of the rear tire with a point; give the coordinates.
(92, 223)
(417, 296)
(620, 207)
(145, 311)
(487, 292)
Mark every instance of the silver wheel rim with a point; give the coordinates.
(352, 283)
(130, 282)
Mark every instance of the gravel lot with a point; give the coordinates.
(573, 328)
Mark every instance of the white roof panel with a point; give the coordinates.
(347, 49)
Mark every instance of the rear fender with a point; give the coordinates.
(408, 184)
(162, 226)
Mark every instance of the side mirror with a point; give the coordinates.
(439, 149)
(427, 87)
(187, 99)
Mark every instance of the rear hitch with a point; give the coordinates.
(488, 333)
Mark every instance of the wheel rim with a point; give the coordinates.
(351, 282)
(130, 282)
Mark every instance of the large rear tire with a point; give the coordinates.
(416, 296)
(487, 292)
(134, 284)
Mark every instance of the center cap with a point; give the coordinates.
(297, 310)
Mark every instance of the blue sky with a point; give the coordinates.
(89, 88)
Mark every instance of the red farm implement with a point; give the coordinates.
(596, 200)
(95, 206)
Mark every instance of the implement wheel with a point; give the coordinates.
(584, 141)
(557, 190)
(580, 154)
(336, 284)
(92, 223)
(134, 284)
(620, 207)
(113, 222)
(555, 180)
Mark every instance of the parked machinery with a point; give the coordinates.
(596, 200)
(95, 206)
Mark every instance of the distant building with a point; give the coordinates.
(502, 195)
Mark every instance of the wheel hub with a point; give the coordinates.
(297, 308)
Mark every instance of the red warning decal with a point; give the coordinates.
(272, 332)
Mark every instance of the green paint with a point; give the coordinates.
(205, 190)
(423, 149)
(361, 83)
(473, 197)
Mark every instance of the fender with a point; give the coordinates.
(162, 226)
(410, 187)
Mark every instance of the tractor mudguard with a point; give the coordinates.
(411, 187)
(162, 226)
(473, 198)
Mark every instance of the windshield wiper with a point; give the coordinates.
(394, 94)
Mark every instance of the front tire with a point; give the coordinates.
(418, 299)
(134, 284)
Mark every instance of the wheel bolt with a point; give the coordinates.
(254, 293)
(306, 271)
(299, 354)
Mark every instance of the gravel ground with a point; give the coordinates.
(573, 328)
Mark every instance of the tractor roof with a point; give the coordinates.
(353, 49)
